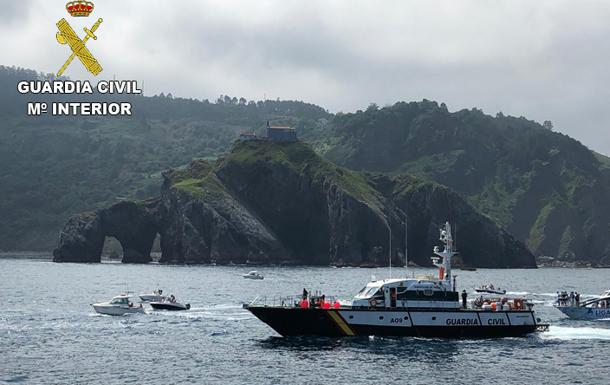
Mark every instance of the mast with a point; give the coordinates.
(406, 242)
(390, 247)
(406, 238)
(444, 266)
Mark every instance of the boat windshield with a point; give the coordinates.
(120, 301)
(368, 291)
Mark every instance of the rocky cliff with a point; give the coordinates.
(281, 203)
(133, 224)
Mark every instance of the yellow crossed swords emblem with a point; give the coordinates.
(66, 35)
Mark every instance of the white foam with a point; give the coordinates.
(517, 292)
(576, 333)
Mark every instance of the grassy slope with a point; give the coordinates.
(301, 158)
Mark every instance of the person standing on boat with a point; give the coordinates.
(464, 298)
(305, 293)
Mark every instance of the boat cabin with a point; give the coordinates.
(407, 292)
(120, 300)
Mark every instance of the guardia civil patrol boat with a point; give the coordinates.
(422, 306)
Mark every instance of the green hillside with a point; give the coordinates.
(544, 187)
(53, 168)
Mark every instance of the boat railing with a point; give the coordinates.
(287, 301)
(290, 301)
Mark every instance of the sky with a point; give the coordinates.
(544, 59)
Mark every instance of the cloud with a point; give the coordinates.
(543, 60)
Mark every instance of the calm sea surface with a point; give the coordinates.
(50, 334)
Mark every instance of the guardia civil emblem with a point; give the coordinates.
(67, 36)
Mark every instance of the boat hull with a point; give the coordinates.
(116, 310)
(487, 291)
(584, 313)
(151, 297)
(169, 306)
(417, 323)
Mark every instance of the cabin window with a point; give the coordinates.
(373, 292)
(379, 294)
(427, 295)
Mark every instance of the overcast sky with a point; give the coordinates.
(545, 60)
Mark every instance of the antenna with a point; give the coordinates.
(390, 247)
(406, 243)
(455, 236)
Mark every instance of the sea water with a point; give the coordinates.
(50, 334)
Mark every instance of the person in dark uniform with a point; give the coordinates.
(464, 297)
(305, 293)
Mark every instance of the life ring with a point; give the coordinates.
(372, 302)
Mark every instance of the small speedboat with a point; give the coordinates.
(489, 289)
(591, 309)
(170, 303)
(119, 305)
(253, 275)
(155, 296)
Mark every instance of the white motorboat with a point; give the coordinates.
(591, 309)
(170, 303)
(119, 305)
(155, 296)
(253, 275)
(489, 289)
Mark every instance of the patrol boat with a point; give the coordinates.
(423, 306)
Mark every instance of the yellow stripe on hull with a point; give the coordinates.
(341, 323)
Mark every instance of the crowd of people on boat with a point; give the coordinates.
(317, 301)
(565, 299)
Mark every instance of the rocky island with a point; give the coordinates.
(281, 203)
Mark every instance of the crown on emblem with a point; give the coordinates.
(79, 8)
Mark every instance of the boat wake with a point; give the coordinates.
(576, 333)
